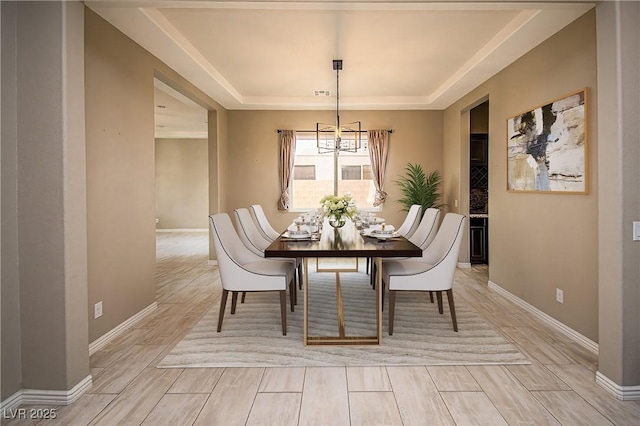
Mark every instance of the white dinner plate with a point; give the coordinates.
(384, 236)
(297, 236)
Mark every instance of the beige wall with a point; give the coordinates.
(11, 363)
(619, 200)
(120, 175)
(121, 170)
(44, 265)
(182, 183)
(254, 144)
(539, 242)
(479, 117)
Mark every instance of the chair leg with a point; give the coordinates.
(439, 297)
(244, 295)
(431, 296)
(223, 305)
(234, 301)
(300, 276)
(382, 290)
(374, 270)
(283, 311)
(292, 293)
(392, 308)
(368, 265)
(452, 308)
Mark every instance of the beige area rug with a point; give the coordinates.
(252, 337)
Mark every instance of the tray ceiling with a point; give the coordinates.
(397, 54)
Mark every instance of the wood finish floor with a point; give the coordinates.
(557, 388)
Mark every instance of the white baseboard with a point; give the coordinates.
(12, 402)
(569, 332)
(183, 230)
(103, 340)
(625, 393)
(464, 265)
(46, 397)
(212, 262)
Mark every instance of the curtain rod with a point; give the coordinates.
(345, 131)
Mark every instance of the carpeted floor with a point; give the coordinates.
(253, 336)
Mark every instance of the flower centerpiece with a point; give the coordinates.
(338, 209)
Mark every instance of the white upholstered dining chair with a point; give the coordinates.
(241, 270)
(408, 227)
(422, 237)
(263, 223)
(271, 234)
(427, 228)
(253, 239)
(432, 272)
(411, 221)
(249, 232)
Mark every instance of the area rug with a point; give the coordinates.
(252, 337)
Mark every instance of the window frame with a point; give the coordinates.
(336, 174)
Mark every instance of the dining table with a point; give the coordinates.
(346, 244)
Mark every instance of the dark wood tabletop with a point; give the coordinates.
(342, 242)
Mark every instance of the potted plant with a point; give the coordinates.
(418, 188)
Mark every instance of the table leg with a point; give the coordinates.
(379, 290)
(339, 306)
(342, 339)
(305, 291)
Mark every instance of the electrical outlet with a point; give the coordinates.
(157, 221)
(559, 295)
(636, 231)
(97, 310)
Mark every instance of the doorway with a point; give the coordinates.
(181, 161)
(479, 184)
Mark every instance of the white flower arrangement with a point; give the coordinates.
(339, 206)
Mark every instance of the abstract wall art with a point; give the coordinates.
(547, 147)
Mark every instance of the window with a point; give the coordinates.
(351, 172)
(304, 172)
(362, 172)
(314, 174)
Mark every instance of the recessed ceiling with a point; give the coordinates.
(396, 54)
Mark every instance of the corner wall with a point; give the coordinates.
(539, 242)
(44, 264)
(11, 363)
(619, 274)
(121, 170)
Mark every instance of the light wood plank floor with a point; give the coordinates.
(558, 388)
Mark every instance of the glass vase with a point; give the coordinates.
(337, 221)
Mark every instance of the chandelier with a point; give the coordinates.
(338, 137)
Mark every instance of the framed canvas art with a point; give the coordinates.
(547, 147)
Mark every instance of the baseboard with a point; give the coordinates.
(103, 340)
(464, 265)
(45, 397)
(625, 393)
(183, 230)
(569, 332)
(212, 262)
(12, 402)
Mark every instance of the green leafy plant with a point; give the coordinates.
(418, 188)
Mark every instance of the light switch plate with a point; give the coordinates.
(636, 231)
